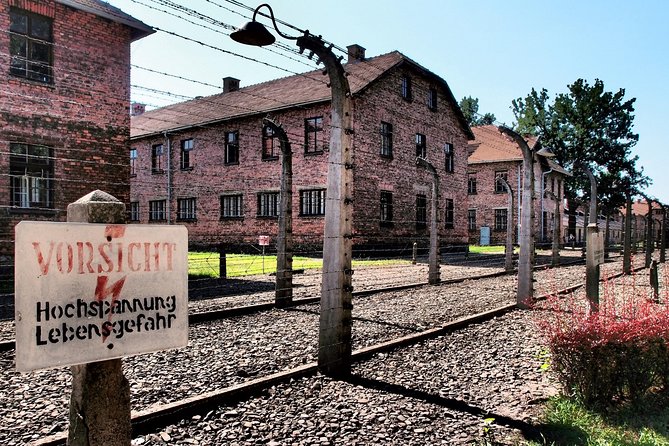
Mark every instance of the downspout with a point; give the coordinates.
(168, 207)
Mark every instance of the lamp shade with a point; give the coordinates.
(253, 33)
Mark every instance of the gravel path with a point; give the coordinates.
(226, 352)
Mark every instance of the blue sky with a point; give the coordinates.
(493, 50)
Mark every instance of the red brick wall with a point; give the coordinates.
(83, 115)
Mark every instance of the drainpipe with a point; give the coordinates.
(168, 207)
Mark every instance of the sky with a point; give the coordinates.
(492, 50)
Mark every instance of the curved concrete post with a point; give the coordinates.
(334, 341)
(592, 233)
(525, 292)
(627, 244)
(555, 253)
(433, 258)
(649, 232)
(284, 242)
(508, 249)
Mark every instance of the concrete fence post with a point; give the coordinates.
(222, 262)
(508, 250)
(433, 257)
(100, 400)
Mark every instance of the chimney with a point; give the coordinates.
(137, 109)
(356, 53)
(230, 84)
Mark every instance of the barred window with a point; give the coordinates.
(405, 88)
(471, 185)
(231, 206)
(268, 204)
(471, 219)
(157, 210)
(31, 45)
(501, 219)
(157, 159)
(31, 173)
(312, 202)
(134, 211)
(186, 209)
(449, 164)
(270, 144)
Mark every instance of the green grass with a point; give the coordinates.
(567, 422)
(476, 249)
(206, 264)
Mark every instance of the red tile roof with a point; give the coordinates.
(493, 146)
(288, 92)
(104, 9)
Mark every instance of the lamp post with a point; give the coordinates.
(334, 342)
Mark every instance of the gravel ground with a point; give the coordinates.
(35, 404)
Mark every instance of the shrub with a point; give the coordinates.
(619, 353)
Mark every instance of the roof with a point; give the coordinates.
(492, 146)
(288, 92)
(640, 207)
(104, 9)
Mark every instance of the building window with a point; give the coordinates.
(157, 210)
(31, 173)
(421, 145)
(449, 163)
(499, 186)
(268, 204)
(449, 214)
(134, 211)
(231, 206)
(406, 88)
(386, 208)
(421, 211)
(386, 140)
(312, 202)
(559, 187)
(186, 209)
(31, 45)
(133, 162)
(313, 135)
(270, 144)
(432, 99)
(186, 148)
(501, 219)
(471, 219)
(157, 159)
(232, 147)
(471, 184)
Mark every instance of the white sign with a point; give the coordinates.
(595, 248)
(263, 240)
(91, 292)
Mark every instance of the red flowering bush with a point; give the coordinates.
(618, 353)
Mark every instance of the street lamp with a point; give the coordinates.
(334, 341)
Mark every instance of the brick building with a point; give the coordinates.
(493, 155)
(210, 164)
(64, 106)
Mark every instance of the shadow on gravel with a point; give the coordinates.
(529, 431)
(362, 319)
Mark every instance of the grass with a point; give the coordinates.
(567, 422)
(206, 264)
(476, 249)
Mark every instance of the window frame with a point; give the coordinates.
(269, 204)
(386, 132)
(157, 155)
(449, 213)
(471, 220)
(472, 184)
(406, 88)
(449, 157)
(187, 209)
(270, 139)
(499, 187)
(500, 222)
(134, 212)
(386, 208)
(421, 211)
(157, 210)
(314, 208)
(236, 205)
(29, 190)
(133, 161)
(312, 144)
(421, 145)
(187, 146)
(432, 99)
(28, 59)
(231, 148)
